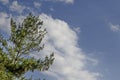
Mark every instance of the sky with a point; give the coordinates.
(83, 34)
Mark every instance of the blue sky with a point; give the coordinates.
(84, 34)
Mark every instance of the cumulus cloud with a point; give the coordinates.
(4, 22)
(37, 4)
(114, 27)
(17, 7)
(69, 59)
(65, 1)
(4, 1)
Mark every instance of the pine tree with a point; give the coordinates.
(24, 39)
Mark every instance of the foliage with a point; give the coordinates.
(25, 38)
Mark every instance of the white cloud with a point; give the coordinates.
(37, 4)
(65, 1)
(77, 29)
(17, 7)
(19, 18)
(69, 59)
(114, 27)
(68, 1)
(4, 22)
(52, 9)
(4, 1)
